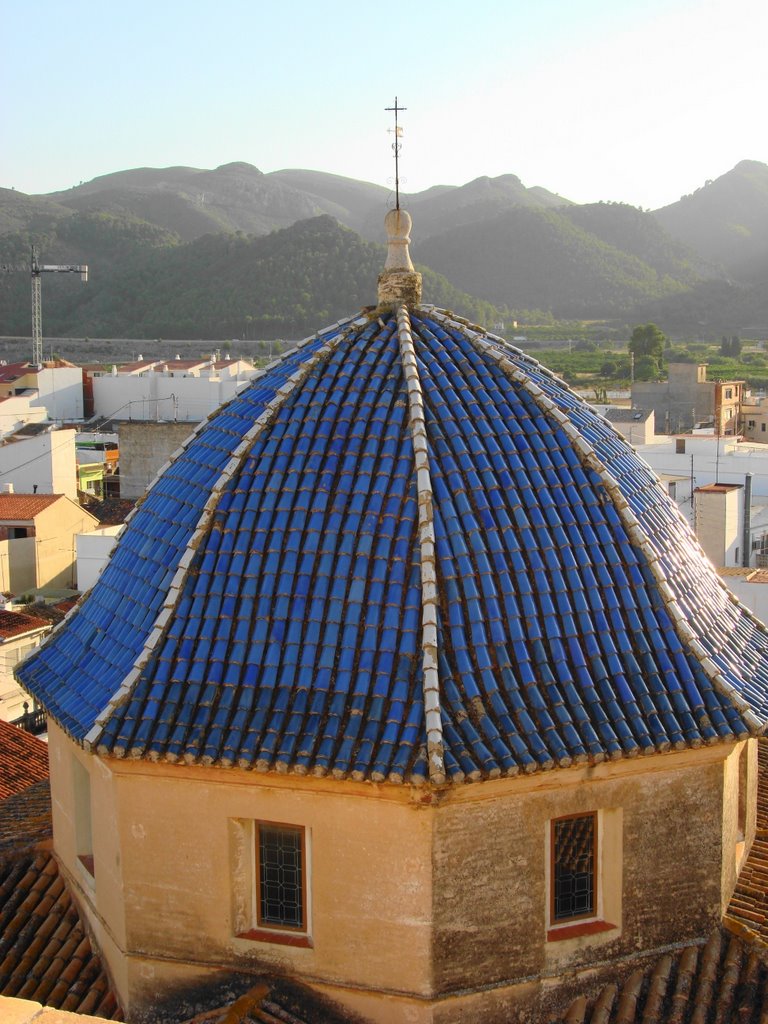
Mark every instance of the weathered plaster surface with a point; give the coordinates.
(432, 901)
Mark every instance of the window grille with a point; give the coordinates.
(281, 878)
(574, 867)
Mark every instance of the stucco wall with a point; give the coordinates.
(93, 551)
(12, 697)
(165, 867)
(144, 448)
(754, 419)
(719, 526)
(680, 402)
(753, 595)
(157, 396)
(179, 872)
(55, 530)
(60, 390)
(44, 464)
(424, 906)
(99, 895)
(17, 565)
(491, 875)
(16, 411)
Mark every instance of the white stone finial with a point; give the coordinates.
(399, 282)
(398, 225)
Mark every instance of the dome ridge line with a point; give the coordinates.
(156, 633)
(417, 423)
(637, 534)
(346, 322)
(473, 331)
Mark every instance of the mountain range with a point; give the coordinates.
(190, 253)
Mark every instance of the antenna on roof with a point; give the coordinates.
(396, 147)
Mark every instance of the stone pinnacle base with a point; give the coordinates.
(399, 287)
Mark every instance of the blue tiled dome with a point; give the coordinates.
(406, 551)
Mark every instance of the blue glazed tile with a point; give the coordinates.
(566, 635)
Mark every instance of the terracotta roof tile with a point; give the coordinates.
(726, 980)
(66, 606)
(111, 511)
(23, 760)
(717, 488)
(723, 981)
(17, 623)
(735, 571)
(49, 613)
(25, 506)
(138, 366)
(276, 1001)
(25, 820)
(747, 913)
(45, 953)
(12, 371)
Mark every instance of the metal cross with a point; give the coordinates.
(396, 147)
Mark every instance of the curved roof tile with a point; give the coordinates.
(406, 551)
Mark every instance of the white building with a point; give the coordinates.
(92, 551)
(19, 635)
(170, 390)
(719, 523)
(56, 387)
(754, 418)
(707, 459)
(40, 463)
(16, 411)
(710, 478)
(638, 426)
(751, 588)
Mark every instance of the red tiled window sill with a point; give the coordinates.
(280, 938)
(86, 859)
(575, 931)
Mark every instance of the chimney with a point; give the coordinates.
(747, 527)
(8, 488)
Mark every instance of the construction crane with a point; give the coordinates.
(37, 309)
(37, 270)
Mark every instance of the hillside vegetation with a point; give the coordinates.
(546, 258)
(698, 266)
(726, 221)
(143, 283)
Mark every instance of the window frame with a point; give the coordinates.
(271, 926)
(244, 836)
(83, 818)
(556, 922)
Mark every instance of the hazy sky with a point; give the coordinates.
(633, 100)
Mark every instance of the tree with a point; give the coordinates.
(646, 368)
(731, 346)
(647, 340)
(647, 348)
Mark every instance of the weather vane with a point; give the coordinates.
(396, 147)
